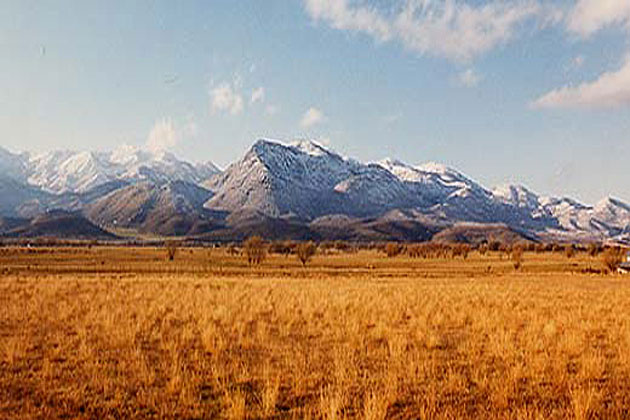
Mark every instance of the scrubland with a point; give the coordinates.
(125, 333)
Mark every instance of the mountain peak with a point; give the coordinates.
(303, 179)
(508, 190)
(436, 168)
(517, 195)
(310, 147)
(611, 202)
(126, 154)
(392, 163)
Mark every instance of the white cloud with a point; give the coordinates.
(311, 117)
(589, 16)
(226, 98)
(610, 90)
(163, 136)
(342, 16)
(469, 78)
(258, 95)
(449, 28)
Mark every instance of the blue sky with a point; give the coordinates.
(531, 91)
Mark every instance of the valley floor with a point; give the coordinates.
(124, 333)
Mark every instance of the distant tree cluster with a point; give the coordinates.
(330, 247)
(255, 250)
(427, 250)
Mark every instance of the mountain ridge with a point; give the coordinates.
(300, 186)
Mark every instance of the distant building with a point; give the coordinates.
(624, 267)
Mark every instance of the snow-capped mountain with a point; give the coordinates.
(65, 171)
(77, 172)
(300, 189)
(518, 196)
(306, 180)
(609, 217)
(435, 181)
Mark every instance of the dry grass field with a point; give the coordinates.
(124, 333)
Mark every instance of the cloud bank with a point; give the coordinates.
(450, 29)
(590, 16)
(609, 90)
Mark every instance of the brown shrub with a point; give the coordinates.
(517, 256)
(569, 251)
(393, 249)
(414, 251)
(494, 246)
(594, 249)
(280, 247)
(460, 250)
(344, 246)
(171, 249)
(305, 251)
(611, 258)
(255, 250)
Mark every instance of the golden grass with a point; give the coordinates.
(123, 333)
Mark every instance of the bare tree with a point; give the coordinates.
(171, 249)
(517, 256)
(255, 250)
(612, 257)
(305, 251)
(594, 249)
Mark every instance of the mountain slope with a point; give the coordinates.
(475, 234)
(307, 181)
(12, 165)
(300, 190)
(173, 208)
(57, 224)
(64, 171)
(18, 199)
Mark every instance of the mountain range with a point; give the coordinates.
(299, 190)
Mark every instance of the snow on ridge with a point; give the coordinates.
(310, 147)
(308, 179)
(69, 171)
(434, 167)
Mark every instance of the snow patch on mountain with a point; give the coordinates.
(302, 181)
(77, 172)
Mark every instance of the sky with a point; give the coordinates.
(522, 91)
